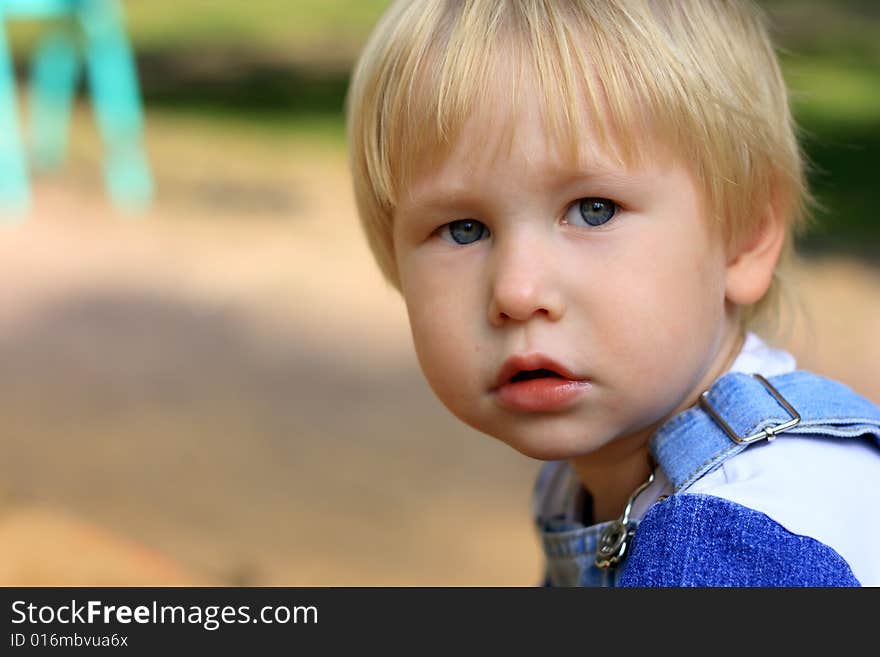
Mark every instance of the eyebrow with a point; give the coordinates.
(440, 198)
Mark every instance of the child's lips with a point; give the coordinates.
(552, 389)
(529, 363)
(544, 394)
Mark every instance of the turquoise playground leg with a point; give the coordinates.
(54, 73)
(14, 187)
(117, 104)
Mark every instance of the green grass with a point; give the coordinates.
(843, 178)
(829, 91)
(313, 28)
(837, 104)
(256, 24)
(321, 130)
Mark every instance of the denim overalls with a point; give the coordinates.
(701, 540)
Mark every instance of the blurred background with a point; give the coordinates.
(209, 383)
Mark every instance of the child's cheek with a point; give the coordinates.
(442, 329)
(449, 364)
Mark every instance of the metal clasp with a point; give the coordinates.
(769, 432)
(615, 538)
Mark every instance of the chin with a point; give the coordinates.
(549, 444)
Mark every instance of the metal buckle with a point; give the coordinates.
(615, 538)
(770, 432)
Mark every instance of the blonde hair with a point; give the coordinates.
(700, 75)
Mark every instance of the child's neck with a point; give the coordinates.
(612, 473)
(612, 477)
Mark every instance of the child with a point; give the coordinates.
(587, 206)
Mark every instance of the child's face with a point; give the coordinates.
(624, 292)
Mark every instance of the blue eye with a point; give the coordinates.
(464, 231)
(595, 211)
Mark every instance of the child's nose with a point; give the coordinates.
(522, 284)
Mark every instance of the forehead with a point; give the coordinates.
(501, 134)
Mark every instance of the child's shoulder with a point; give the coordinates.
(814, 486)
(703, 540)
(805, 484)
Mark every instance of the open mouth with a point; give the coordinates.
(534, 369)
(528, 375)
(524, 386)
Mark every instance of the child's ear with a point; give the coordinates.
(750, 268)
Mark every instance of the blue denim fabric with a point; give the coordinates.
(692, 444)
(688, 537)
(702, 540)
(571, 554)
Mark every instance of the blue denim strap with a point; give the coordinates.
(692, 443)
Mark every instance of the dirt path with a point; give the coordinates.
(227, 384)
